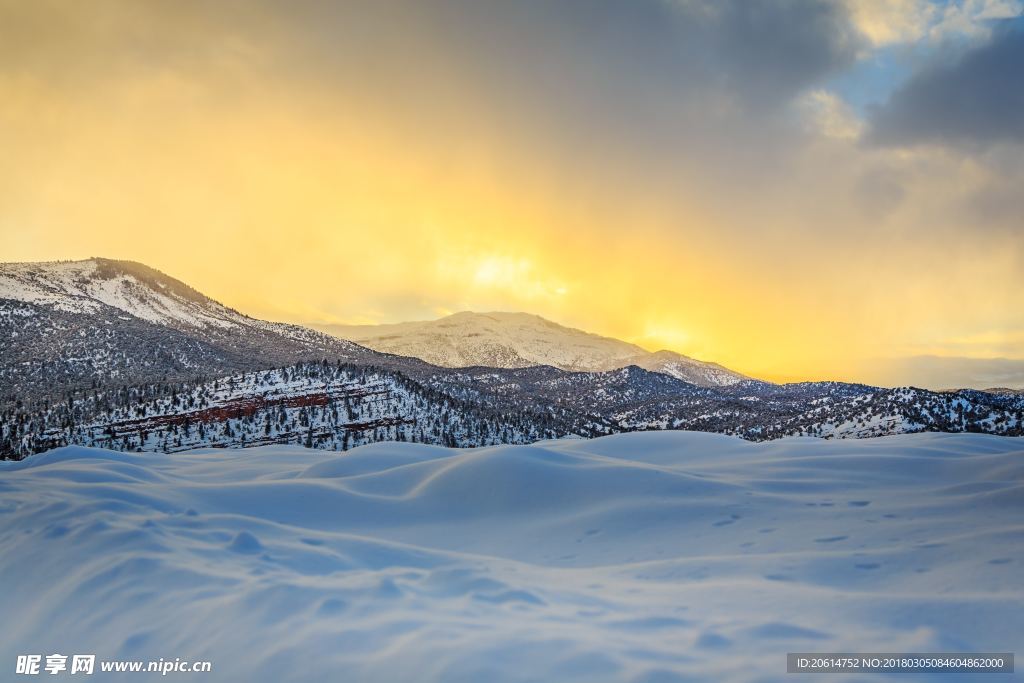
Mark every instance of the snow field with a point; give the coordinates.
(641, 557)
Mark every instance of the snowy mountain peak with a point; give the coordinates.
(100, 321)
(518, 340)
(136, 289)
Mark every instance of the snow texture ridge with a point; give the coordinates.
(669, 556)
(87, 286)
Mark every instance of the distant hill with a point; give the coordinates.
(117, 354)
(518, 340)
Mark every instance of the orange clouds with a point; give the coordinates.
(337, 184)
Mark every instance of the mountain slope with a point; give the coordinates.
(701, 373)
(116, 354)
(336, 406)
(99, 321)
(632, 398)
(518, 340)
(333, 406)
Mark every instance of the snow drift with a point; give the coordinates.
(665, 556)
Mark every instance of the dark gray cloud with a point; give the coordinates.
(975, 100)
(616, 79)
(770, 50)
(631, 90)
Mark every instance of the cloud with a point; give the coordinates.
(831, 116)
(973, 18)
(640, 167)
(772, 50)
(975, 100)
(894, 22)
(949, 372)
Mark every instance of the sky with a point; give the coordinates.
(796, 190)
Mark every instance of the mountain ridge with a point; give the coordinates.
(100, 321)
(512, 340)
(113, 353)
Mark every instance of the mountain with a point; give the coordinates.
(337, 406)
(316, 404)
(102, 322)
(119, 355)
(701, 373)
(518, 340)
(634, 399)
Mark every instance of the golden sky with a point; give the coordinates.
(773, 190)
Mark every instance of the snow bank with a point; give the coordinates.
(641, 557)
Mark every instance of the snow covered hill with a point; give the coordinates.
(336, 406)
(517, 340)
(101, 322)
(632, 399)
(316, 404)
(117, 354)
(638, 558)
(93, 285)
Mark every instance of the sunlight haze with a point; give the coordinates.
(653, 171)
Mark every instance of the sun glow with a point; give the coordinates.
(664, 335)
(296, 184)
